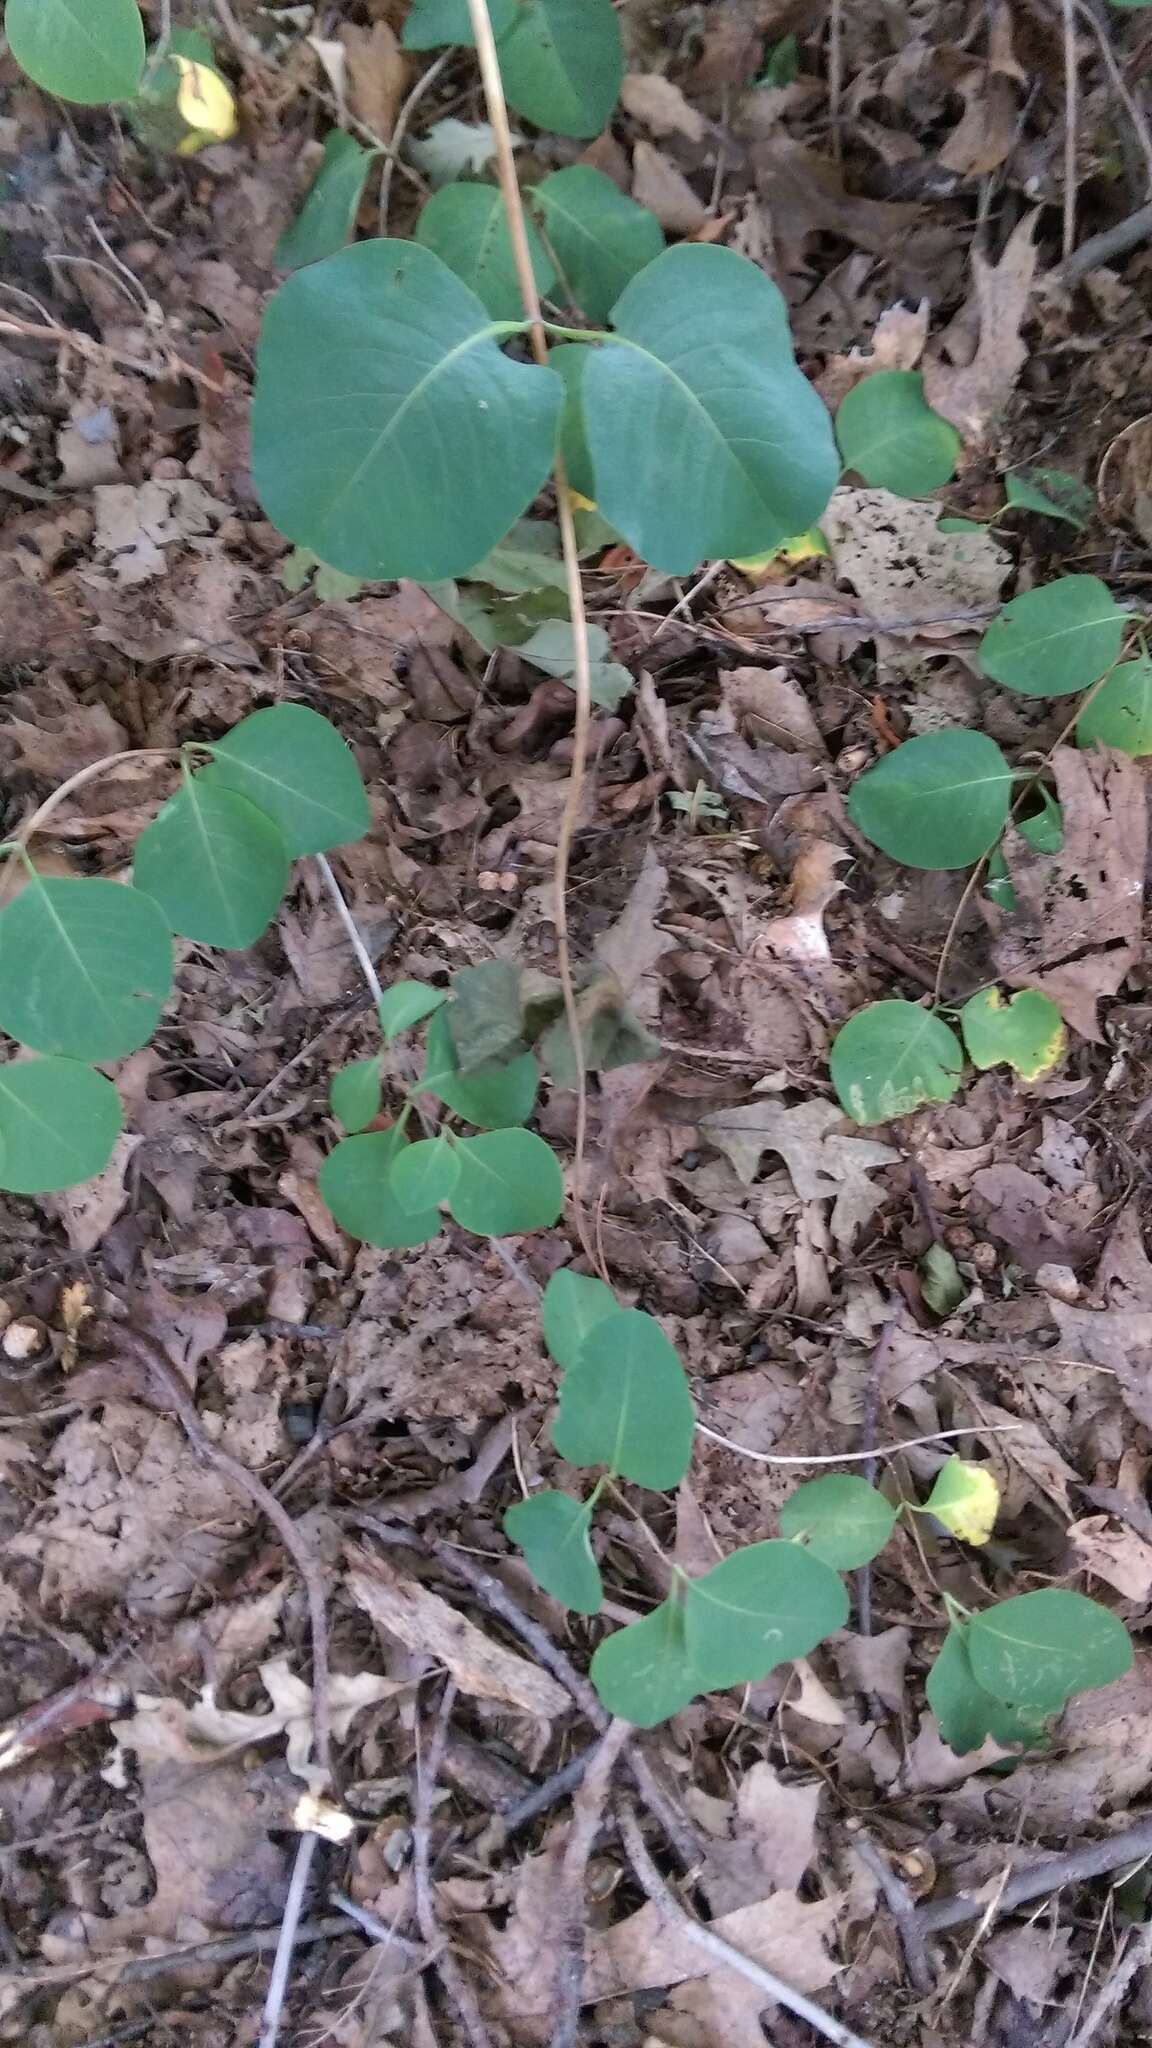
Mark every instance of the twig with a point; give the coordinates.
(447, 1968)
(877, 1360)
(587, 1815)
(91, 350)
(289, 1928)
(1093, 1860)
(1119, 84)
(899, 1902)
(582, 678)
(364, 958)
(836, 74)
(424, 84)
(1071, 119)
(720, 1950)
(1101, 248)
(1136, 1955)
(371, 1924)
(259, 1941)
(909, 1443)
(36, 823)
(496, 1831)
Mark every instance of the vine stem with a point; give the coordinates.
(51, 804)
(493, 84)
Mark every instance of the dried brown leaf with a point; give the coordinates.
(425, 1623)
(659, 185)
(645, 1951)
(660, 106)
(378, 73)
(1115, 1554)
(823, 1161)
(973, 395)
(892, 553)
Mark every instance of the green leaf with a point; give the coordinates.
(492, 1098)
(291, 763)
(705, 438)
(891, 1057)
(941, 1282)
(940, 801)
(1037, 1650)
(573, 1304)
(486, 1017)
(58, 1124)
(570, 361)
(217, 866)
(331, 204)
(1026, 1032)
(87, 51)
(1056, 639)
(85, 968)
(526, 559)
(1051, 491)
(840, 1519)
(599, 237)
(407, 1003)
(889, 434)
(355, 1094)
(432, 23)
(425, 1173)
(356, 1183)
(466, 226)
(1120, 714)
(562, 62)
(966, 1714)
(643, 1673)
(552, 1531)
(1044, 830)
(510, 1181)
(389, 433)
(761, 1607)
(624, 1403)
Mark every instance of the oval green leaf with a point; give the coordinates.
(85, 968)
(88, 51)
(217, 866)
(552, 1531)
(1120, 713)
(643, 1673)
(570, 361)
(293, 765)
(562, 62)
(840, 1518)
(573, 1304)
(466, 226)
(705, 438)
(1051, 641)
(600, 238)
(494, 1097)
(891, 1057)
(509, 1181)
(407, 1003)
(1037, 1650)
(1026, 1032)
(59, 1121)
(425, 1173)
(356, 1183)
(966, 1714)
(625, 1403)
(761, 1607)
(1054, 492)
(940, 801)
(889, 434)
(434, 23)
(389, 433)
(331, 204)
(355, 1094)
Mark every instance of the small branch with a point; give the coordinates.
(1136, 1956)
(1071, 120)
(722, 1951)
(289, 1927)
(1100, 249)
(80, 780)
(423, 85)
(364, 958)
(908, 1443)
(899, 1902)
(447, 1968)
(1095, 1859)
(587, 1816)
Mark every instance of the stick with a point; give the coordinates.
(363, 956)
(1101, 248)
(899, 1902)
(289, 1927)
(722, 1951)
(424, 84)
(587, 1815)
(1094, 1859)
(1136, 1954)
(447, 1968)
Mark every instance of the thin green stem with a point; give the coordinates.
(577, 333)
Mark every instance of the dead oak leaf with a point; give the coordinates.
(892, 553)
(824, 1163)
(1120, 1557)
(647, 1950)
(973, 395)
(1077, 931)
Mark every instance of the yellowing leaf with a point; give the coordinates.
(1026, 1032)
(965, 1499)
(207, 104)
(803, 547)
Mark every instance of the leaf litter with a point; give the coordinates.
(146, 604)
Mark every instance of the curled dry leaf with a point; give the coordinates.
(974, 395)
(660, 106)
(1124, 483)
(377, 75)
(801, 936)
(423, 1622)
(665, 191)
(897, 344)
(1111, 1552)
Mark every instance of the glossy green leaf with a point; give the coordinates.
(493, 1098)
(407, 1003)
(85, 968)
(217, 866)
(965, 1713)
(331, 204)
(291, 763)
(570, 361)
(624, 1403)
(355, 1094)
(552, 1531)
(466, 226)
(562, 62)
(1120, 714)
(573, 1304)
(87, 51)
(1056, 639)
(59, 1121)
(889, 434)
(433, 23)
(761, 1607)
(527, 559)
(425, 1173)
(510, 1181)
(1038, 1649)
(389, 432)
(891, 1057)
(1051, 491)
(839, 1518)
(940, 801)
(1026, 1032)
(599, 237)
(356, 1183)
(643, 1673)
(705, 438)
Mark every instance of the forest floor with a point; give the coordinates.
(900, 171)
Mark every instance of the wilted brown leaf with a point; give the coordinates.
(973, 395)
(660, 106)
(425, 1623)
(665, 191)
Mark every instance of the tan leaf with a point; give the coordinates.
(377, 75)
(897, 344)
(423, 1622)
(90, 1210)
(891, 551)
(660, 106)
(823, 1162)
(801, 935)
(1115, 1554)
(1029, 1960)
(665, 191)
(784, 1934)
(782, 1822)
(768, 704)
(974, 395)
(986, 132)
